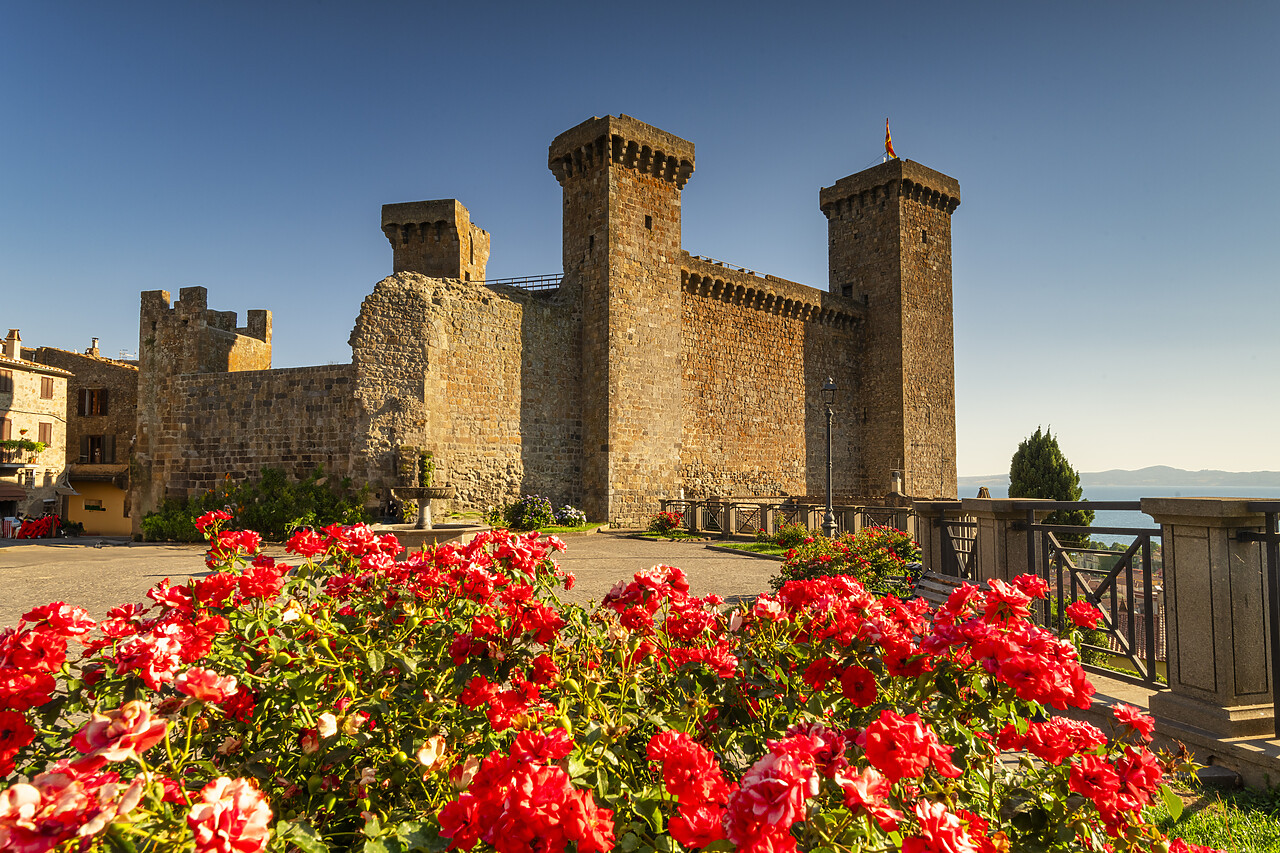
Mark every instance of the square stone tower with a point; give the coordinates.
(622, 180)
(436, 238)
(889, 231)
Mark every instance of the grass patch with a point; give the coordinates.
(1245, 819)
(757, 548)
(581, 528)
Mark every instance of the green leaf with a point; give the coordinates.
(1171, 801)
(380, 845)
(724, 845)
(631, 841)
(377, 661)
(301, 835)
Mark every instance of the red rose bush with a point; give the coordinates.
(450, 700)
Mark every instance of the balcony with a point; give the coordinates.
(16, 457)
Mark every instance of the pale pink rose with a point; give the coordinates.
(462, 776)
(291, 612)
(206, 685)
(736, 620)
(122, 734)
(232, 817)
(327, 725)
(431, 753)
(230, 745)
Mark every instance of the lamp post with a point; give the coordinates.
(829, 520)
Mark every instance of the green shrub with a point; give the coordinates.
(274, 505)
(788, 535)
(876, 556)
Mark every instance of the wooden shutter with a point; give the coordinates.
(46, 434)
(83, 408)
(84, 448)
(102, 401)
(6, 427)
(108, 445)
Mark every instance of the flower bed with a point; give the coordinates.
(451, 700)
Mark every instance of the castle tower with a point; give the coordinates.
(436, 239)
(889, 232)
(622, 180)
(185, 338)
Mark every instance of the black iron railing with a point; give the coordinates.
(959, 534)
(1270, 537)
(532, 283)
(1121, 584)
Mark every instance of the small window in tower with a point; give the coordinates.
(648, 222)
(591, 243)
(846, 291)
(924, 235)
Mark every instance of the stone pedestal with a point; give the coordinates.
(1001, 547)
(1215, 612)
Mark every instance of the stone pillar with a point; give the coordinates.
(1001, 547)
(1215, 616)
(930, 532)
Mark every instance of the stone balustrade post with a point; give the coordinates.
(930, 532)
(1215, 615)
(1000, 550)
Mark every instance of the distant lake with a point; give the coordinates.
(1133, 493)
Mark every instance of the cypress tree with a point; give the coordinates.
(1040, 470)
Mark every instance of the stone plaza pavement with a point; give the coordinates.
(99, 578)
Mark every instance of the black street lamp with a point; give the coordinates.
(829, 520)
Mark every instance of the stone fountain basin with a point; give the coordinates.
(418, 493)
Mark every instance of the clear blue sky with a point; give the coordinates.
(1115, 252)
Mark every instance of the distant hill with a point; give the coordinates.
(1154, 476)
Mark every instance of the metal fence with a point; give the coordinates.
(739, 517)
(1124, 585)
(531, 283)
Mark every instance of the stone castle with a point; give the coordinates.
(643, 372)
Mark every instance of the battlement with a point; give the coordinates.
(193, 304)
(436, 239)
(887, 180)
(624, 141)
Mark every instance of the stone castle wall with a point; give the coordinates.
(217, 424)
(484, 376)
(755, 349)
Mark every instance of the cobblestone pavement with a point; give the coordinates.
(99, 578)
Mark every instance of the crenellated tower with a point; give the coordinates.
(184, 338)
(436, 239)
(622, 181)
(889, 231)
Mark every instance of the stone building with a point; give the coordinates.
(33, 408)
(643, 371)
(101, 418)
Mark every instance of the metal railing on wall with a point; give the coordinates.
(532, 283)
(1121, 584)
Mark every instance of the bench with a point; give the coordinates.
(935, 588)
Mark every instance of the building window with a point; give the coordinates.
(97, 449)
(93, 401)
(6, 429)
(94, 505)
(924, 236)
(46, 388)
(45, 433)
(6, 381)
(648, 222)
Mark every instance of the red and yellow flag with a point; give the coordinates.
(888, 141)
